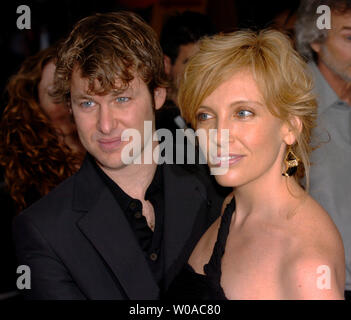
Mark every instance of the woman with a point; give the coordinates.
(273, 241)
(39, 146)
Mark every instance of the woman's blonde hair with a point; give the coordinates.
(279, 71)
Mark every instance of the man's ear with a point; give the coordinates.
(168, 64)
(316, 47)
(159, 97)
(291, 129)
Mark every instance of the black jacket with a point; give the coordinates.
(79, 245)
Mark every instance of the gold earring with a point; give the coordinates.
(291, 163)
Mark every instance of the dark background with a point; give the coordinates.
(58, 17)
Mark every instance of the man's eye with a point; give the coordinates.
(244, 113)
(122, 99)
(87, 104)
(203, 116)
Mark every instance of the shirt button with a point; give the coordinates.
(153, 256)
(137, 215)
(132, 205)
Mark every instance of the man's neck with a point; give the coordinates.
(133, 179)
(339, 85)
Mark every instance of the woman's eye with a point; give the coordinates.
(203, 116)
(244, 113)
(122, 99)
(87, 104)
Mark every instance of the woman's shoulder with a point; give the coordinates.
(314, 267)
(317, 229)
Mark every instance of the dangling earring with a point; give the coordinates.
(291, 163)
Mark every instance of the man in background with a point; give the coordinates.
(329, 54)
(179, 38)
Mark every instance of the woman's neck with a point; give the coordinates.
(269, 196)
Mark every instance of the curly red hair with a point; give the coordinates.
(34, 158)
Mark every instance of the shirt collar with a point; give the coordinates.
(325, 95)
(123, 198)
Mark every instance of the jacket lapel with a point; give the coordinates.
(107, 228)
(185, 196)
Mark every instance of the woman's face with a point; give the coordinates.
(255, 142)
(57, 113)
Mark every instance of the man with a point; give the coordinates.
(329, 55)
(179, 38)
(116, 229)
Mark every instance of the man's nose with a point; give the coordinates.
(106, 119)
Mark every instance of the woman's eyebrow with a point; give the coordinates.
(235, 103)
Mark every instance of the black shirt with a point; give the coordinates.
(149, 241)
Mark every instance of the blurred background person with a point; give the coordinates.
(179, 37)
(39, 145)
(328, 52)
(284, 20)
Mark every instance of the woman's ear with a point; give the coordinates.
(159, 97)
(291, 129)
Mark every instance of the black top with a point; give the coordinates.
(189, 285)
(149, 241)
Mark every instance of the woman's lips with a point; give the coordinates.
(225, 161)
(109, 144)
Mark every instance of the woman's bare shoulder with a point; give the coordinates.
(314, 267)
(318, 229)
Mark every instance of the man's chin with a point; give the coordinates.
(111, 165)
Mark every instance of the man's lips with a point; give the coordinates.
(109, 144)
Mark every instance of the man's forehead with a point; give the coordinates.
(341, 20)
(85, 84)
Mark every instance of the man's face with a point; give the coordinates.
(335, 52)
(101, 119)
(177, 69)
(185, 53)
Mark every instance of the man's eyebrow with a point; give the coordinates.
(121, 89)
(81, 96)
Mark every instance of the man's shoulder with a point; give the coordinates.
(52, 206)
